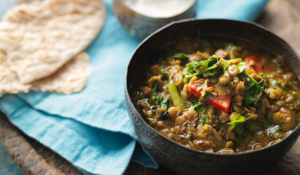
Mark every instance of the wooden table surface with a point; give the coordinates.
(280, 16)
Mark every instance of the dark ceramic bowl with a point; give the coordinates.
(183, 160)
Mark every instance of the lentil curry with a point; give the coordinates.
(218, 95)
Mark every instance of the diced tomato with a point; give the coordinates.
(255, 63)
(193, 88)
(221, 103)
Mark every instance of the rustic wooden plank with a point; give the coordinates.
(283, 18)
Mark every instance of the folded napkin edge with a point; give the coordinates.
(105, 127)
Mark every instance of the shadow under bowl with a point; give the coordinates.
(184, 160)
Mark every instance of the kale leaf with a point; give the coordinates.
(203, 120)
(254, 92)
(210, 67)
(214, 73)
(199, 108)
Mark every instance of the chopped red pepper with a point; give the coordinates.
(255, 63)
(221, 103)
(194, 88)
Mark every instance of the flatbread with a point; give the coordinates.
(40, 38)
(70, 78)
(9, 81)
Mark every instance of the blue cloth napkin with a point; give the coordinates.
(91, 129)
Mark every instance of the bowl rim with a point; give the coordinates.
(297, 128)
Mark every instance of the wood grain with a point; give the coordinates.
(32, 157)
(281, 17)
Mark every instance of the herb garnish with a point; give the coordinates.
(199, 108)
(203, 120)
(238, 120)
